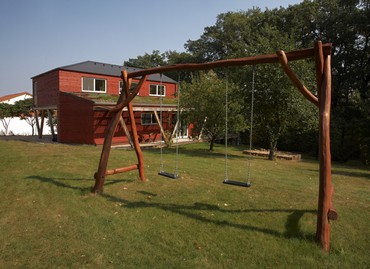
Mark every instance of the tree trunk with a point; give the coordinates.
(272, 154)
(272, 150)
(212, 143)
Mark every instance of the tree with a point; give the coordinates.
(23, 110)
(280, 110)
(203, 100)
(365, 133)
(158, 59)
(344, 23)
(147, 60)
(278, 105)
(6, 114)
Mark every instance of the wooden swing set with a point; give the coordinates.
(322, 56)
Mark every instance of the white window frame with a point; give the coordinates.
(157, 91)
(94, 79)
(153, 120)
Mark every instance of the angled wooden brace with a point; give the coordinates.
(164, 136)
(290, 73)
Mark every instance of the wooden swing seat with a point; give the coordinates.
(166, 174)
(237, 183)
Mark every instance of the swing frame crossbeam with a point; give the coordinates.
(321, 53)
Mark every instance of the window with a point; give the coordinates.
(157, 90)
(94, 85)
(133, 86)
(148, 119)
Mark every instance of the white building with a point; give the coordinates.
(17, 126)
(12, 98)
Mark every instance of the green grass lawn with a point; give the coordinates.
(49, 219)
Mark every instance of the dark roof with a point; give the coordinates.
(107, 69)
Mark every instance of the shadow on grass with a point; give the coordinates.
(60, 182)
(292, 226)
(351, 174)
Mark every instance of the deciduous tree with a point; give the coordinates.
(203, 101)
(6, 115)
(23, 110)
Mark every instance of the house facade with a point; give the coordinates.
(79, 97)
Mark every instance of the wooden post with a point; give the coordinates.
(38, 127)
(201, 130)
(325, 210)
(319, 64)
(160, 126)
(139, 153)
(127, 132)
(50, 116)
(175, 129)
(42, 122)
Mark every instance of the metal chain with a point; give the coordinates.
(178, 128)
(160, 118)
(226, 129)
(251, 128)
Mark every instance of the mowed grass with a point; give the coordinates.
(49, 219)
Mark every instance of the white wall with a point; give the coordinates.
(18, 126)
(21, 127)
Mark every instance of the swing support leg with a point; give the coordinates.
(326, 211)
(124, 100)
(139, 153)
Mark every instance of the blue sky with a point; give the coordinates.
(39, 35)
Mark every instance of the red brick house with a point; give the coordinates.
(81, 94)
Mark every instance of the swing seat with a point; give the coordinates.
(166, 174)
(236, 183)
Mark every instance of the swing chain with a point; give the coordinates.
(251, 127)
